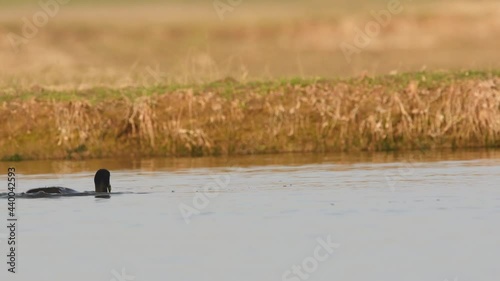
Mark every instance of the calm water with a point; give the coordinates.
(417, 216)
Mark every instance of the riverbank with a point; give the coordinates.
(396, 112)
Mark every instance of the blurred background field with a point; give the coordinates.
(136, 43)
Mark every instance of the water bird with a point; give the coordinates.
(101, 182)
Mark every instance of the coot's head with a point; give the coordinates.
(101, 181)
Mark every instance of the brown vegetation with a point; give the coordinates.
(388, 113)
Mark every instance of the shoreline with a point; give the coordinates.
(412, 111)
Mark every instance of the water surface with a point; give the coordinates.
(415, 216)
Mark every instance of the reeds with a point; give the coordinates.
(232, 118)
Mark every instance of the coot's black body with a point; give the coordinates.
(101, 182)
(52, 190)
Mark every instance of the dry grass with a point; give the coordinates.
(417, 111)
(118, 46)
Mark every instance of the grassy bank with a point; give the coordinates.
(407, 111)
